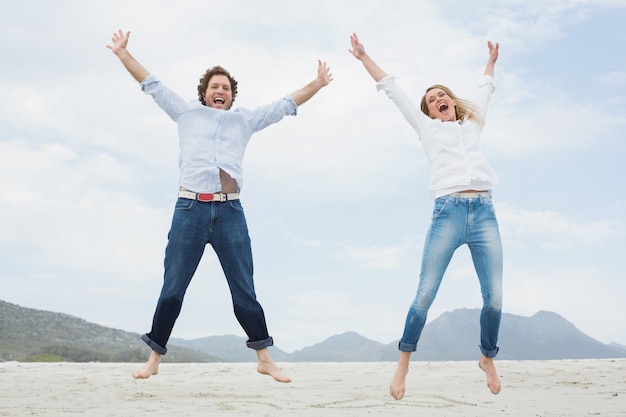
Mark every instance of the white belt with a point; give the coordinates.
(471, 194)
(207, 197)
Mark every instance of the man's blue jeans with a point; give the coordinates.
(194, 225)
(457, 221)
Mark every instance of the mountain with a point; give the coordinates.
(545, 335)
(229, 347)
(618, 346)
(29, 334)
(452, 336)
(34, 335)
(347, 347)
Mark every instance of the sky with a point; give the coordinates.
(336, 197)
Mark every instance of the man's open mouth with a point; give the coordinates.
(219, 100)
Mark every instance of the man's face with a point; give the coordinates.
(218, 94)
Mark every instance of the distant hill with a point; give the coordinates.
(452, 336)
(347, 347)
(618, 346)
(27, 334)
(545, 335)
(229, 347)
(36, 335)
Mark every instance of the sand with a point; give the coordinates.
(529, 388)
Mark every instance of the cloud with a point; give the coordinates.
(554, 230)
(614, 79)
(377, 257)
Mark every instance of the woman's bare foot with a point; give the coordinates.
(397, 386)
(266, 366)
(493, 382)
(150, 368)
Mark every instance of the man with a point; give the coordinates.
(208, 211)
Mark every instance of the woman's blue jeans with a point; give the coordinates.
(457, 221)
(194, 225)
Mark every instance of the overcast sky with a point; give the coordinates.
(335, 197)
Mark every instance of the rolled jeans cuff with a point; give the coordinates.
(260, 344)
(154, 345)
(407, 347)
(489, 353)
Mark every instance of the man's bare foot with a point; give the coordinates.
(493, 382)
(397, 387)
(150, 368)
(266, 366)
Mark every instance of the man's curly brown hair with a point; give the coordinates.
(204, 82)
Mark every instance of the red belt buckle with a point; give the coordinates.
(205, 197)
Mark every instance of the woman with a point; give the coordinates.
(461, 181)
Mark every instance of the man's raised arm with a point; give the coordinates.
(324, 77)
(118, 46)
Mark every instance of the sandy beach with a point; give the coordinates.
(530, 388)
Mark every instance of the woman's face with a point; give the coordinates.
(440, 105)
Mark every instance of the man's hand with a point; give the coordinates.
(118, 46)
(119, 41)
(324, 77)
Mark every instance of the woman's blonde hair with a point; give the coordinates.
(465, 109)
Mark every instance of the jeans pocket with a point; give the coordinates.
(235, 205)
(440, 205)
(184, 204)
